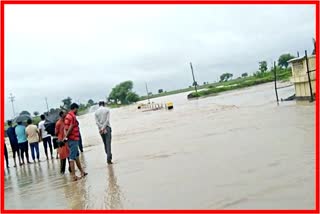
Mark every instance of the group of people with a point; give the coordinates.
(66, 140)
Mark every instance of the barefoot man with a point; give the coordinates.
(102, 116)
(71, 126)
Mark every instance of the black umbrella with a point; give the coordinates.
(22, 118)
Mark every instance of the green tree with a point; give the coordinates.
(121, 91)
(283, 60)
(67, 103)
(82, 107)
(244, 75)
(160, 91)
(225, 77)
(132, 97)
(90, 102)
(263, 66)
(25, 113)
(36, 113)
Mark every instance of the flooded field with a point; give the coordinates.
(238, 150)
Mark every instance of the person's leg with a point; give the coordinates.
(16, 151)
(50, 146)
(108, 145)
(26, 148)
(6, 155)
(13, 149)
(73, 146)
(80, 143)
(69, 168)
(36, 145)
(32, 147)
(21, 151)
(45, 146)
(104, 137)
(62, 166)
(83, 173)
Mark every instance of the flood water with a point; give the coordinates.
(238, 150)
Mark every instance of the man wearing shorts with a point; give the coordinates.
(71, 126)
(45, 137)
(13, 142)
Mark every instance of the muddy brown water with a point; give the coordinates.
(238, 150)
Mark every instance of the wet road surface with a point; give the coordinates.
(238, 150)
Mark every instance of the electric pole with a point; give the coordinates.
(194, 81)
(11, 98)
(47, 104)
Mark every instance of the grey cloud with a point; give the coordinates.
(84, 56)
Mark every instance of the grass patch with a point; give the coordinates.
(282, 75)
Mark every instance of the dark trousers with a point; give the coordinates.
(46, 142)
(80, 143)
(107, 143)
(63, 163)
(23, 148)
(6, 155)
(15, 150)
(35, 148)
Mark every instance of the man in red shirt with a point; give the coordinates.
(71, 127)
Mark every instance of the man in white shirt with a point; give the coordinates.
(102, 117)
(45, 137)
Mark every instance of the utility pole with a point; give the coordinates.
(147, 93)
(47, 104)
(275, 81)
(11, 98)
(194, 81)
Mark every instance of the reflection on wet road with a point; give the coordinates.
(238, 150)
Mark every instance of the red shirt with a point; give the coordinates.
(60, 129)
(71, 120)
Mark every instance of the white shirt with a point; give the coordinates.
(41, 127)
(102, 116)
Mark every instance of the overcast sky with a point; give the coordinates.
(82, 51)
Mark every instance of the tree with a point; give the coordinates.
(244, 75)
(263, 66)
(67, 103)
(160, 91)
(82, 107)
(132, 97)
(90, 102)
(121, 92)
(283, 60)
(25, 113)
(225, 77)
(36, 113)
